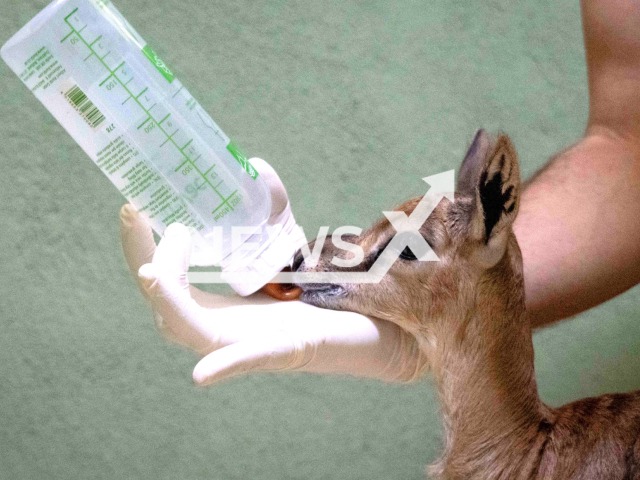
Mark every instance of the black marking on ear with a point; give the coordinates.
(493, 200)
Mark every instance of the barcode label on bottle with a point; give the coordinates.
(81, 104)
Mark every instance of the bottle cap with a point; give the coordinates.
(277, 243)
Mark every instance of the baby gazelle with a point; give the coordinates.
(468, 312)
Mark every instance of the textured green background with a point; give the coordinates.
(352, 103)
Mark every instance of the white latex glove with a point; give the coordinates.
(239, 334)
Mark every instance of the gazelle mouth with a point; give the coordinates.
(321, 289)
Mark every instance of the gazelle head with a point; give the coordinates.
(471, 237)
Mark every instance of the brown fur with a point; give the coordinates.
(468, 313)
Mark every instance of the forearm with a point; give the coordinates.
(579, 221)
(612, 47)
(579, 228)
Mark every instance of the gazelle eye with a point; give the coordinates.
(407, 254)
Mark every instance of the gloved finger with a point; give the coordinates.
(189, 322)
(172, 253)
(139, 248)
(212, 300)
(138, 245)
(165, 331)
(273, 352)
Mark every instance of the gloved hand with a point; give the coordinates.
(240, 334)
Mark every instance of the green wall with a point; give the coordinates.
(352, 103)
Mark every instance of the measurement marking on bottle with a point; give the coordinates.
(142, 124)
(224, 201)
(105, 80)
(68, 35)
(181, 165)
(74, 11)
(111, 74)
(221, 205)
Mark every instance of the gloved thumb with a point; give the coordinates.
(172, 254)
(273, 352)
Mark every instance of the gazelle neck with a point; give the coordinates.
(484, 370)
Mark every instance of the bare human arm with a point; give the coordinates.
(579, 220)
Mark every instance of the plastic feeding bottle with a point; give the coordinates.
(138, 123)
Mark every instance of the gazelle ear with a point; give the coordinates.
(473, 163)
(498, 191)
